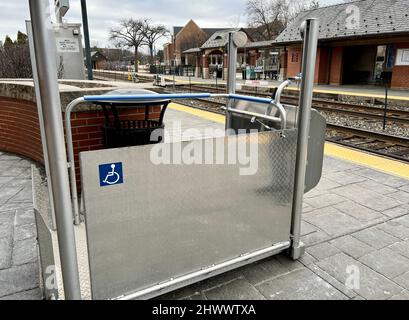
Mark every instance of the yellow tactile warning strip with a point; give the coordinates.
(197, 112)
(344, 93)
(393, 167)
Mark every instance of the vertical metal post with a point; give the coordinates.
(86, 39)
(174, 74)
(41, 120)
(231, 76)
(45, 51)
(386, 105)
(309, 30)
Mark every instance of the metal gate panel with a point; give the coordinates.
(169, 220)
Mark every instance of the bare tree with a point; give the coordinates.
(297, 6)
(266, 15)
(153, 33)
(270, 17)
(129, 33)
(15, 58)
(60, 68)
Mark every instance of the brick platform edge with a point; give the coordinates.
(20, 129)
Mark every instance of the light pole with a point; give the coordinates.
(86, 39)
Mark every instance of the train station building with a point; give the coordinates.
(185, 38)
(204, 50)
(360, 43)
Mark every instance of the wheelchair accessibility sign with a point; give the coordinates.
(110, 174)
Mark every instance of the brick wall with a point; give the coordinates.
(190, 36)
(294, 58)
(20, 131)
(168, 53)
(337, 60)
(322, 66)
(400, 74)
(324, 62)
(100, 64)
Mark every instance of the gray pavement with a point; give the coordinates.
(18, 250)
(357, 218)
(355, 226)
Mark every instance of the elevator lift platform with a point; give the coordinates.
(162, 216)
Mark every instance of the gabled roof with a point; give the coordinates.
(376, 17)
(259, 44)
(176, 30)
(219, 39)
(209, 31)
(192, 50)
(96, 55)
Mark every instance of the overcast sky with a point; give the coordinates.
(102, 14)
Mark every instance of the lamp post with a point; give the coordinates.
(86, 39)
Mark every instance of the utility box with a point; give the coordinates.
(70, 55)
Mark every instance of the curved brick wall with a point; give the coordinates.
(19, 129)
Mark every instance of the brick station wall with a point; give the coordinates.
(294, 58)
(20, 130)
(336, 66)
(400, 74)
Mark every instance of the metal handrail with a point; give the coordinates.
(176, 96)
(71, 161)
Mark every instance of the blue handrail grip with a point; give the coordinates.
(251, 99)
(144, 97)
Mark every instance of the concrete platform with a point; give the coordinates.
(356, 222)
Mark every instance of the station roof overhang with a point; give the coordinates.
(351, 40)
(192, 51)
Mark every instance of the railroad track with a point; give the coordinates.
(358, 111)
(352, 110)
(374, 142)
(334, 107)
(378, 143)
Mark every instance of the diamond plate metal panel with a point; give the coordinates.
(44, 237)
(170, 220)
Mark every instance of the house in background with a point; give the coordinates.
(215, 55)
(98, 60)
(204, 51)
(184, 38)
(363, 42)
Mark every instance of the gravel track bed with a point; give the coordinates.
(395, 129)
(392, 128)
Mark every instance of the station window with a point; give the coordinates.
(294, 57)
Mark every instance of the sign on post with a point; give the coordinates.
(67, 45)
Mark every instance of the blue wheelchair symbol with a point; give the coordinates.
(110, 174)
